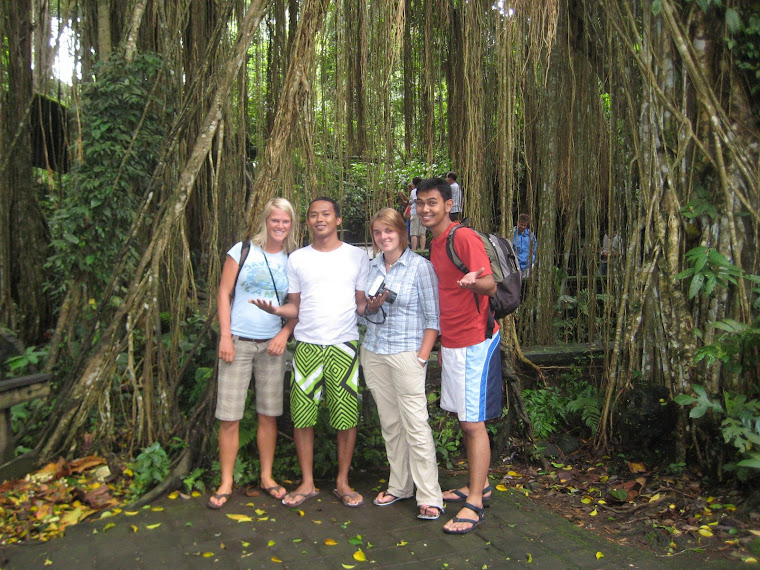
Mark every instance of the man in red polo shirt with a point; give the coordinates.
(471, 382)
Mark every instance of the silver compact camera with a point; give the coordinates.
(378, 288)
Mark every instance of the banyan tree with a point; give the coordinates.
(635, 120)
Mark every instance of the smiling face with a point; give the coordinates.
(433, 210)
(386, 238)
(279, 224)
(322, 220)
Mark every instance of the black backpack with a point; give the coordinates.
(506, 272)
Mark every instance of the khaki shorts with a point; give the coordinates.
(235, 377)
(415, 227)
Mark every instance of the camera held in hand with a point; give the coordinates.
(378, 288)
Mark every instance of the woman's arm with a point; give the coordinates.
(224, 309)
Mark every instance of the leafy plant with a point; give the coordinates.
(194, 481)
(149, 468)
(448, 440)
(740, 426)
(33, 356)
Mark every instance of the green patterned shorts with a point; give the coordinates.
(333, 367)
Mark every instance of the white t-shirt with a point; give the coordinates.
(255, 282)
(413, 202)
(327, 282)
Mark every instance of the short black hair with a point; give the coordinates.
(435, 184)
(416, 180)
(335, 204)
(452, 175)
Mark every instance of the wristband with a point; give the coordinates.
(422, 360)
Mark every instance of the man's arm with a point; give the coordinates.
(480, 284)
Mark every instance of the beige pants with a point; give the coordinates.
(397, 382)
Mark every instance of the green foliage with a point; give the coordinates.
(740, 426)
(448, 440)
(22, 363)
(702, 205)
(553, 409)
(546, 409)
(122, 116)
(150, 468)
(709, 269)
(194, 481)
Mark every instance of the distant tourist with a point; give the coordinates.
(525, 244)
(456, 196)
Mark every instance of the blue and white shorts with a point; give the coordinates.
(471, 382)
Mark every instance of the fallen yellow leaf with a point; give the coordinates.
(529, 558)
(270, 543)
(316, 522)
(750, 560)
(152, 526)
(348, 566)
(48, 562)
(173, 495)
(260, 512)
(330, 542)
(196, 494)
(360, 556)
(131, 513)
(599, 555)
(513, 473)
(501, 487)
(208, 554)
(245, 544)
(593, 513)
(239, 518)
(654, 497)
(156, 509)
(263, 518)
(705, 532)
(109, 525)
(275, 559)
(586, 500)
(133, 527)
(300, 513)
(402, 543)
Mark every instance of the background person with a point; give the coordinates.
(394, 354)
(417, 231)
(252, 340)
(456, 197)
(525, 244)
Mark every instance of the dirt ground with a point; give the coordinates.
(626, 503)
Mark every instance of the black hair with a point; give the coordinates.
(335, 205)
(452, 175)
(416, 180)
(435, 184)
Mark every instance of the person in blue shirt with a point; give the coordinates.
(402, 327)
(525, 244)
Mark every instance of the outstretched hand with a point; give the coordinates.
(470, 279)
(264, 305)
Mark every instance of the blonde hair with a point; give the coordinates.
(392, 219)
(260, 239)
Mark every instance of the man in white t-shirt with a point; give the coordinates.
(326, 282)
(456, 196)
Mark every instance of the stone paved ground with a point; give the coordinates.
(515, 532)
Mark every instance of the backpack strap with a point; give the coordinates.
(243, 256)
